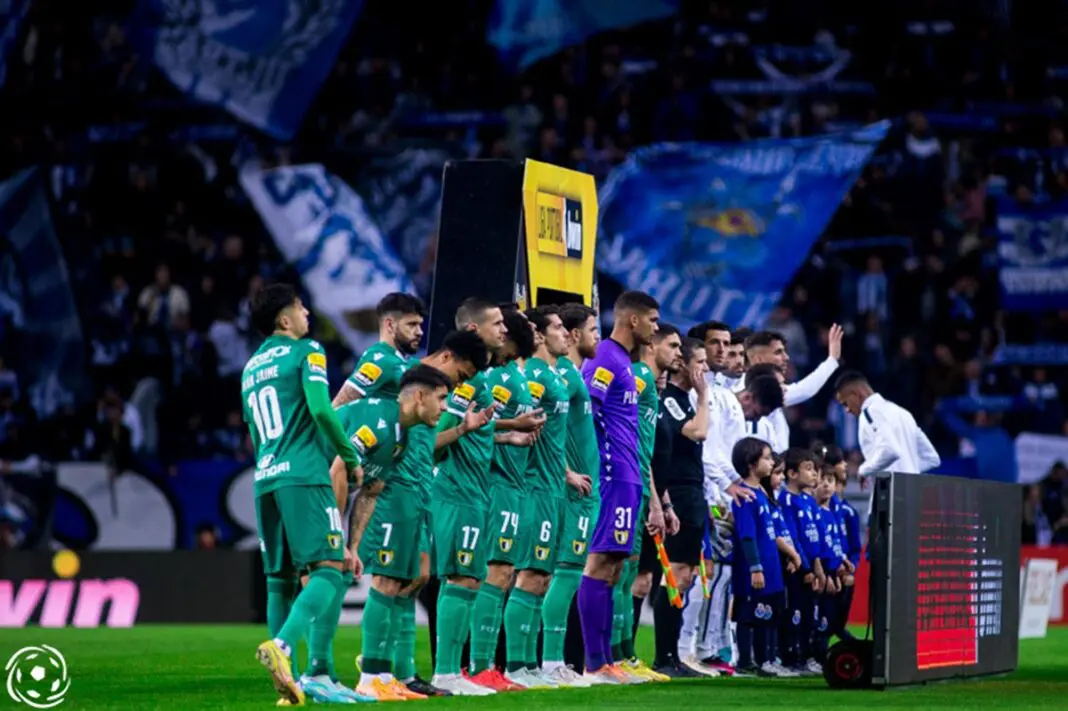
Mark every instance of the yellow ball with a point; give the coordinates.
(66, 564)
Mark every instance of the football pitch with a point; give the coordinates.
(213, 667)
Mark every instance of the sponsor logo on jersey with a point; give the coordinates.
(536, 389)
(578, 547)
(267, 356)
(317, 363)
(505, 544)
(464, 558)
(271, 469)
(385, 557)
(673, 408)
(541, 552)
(265, 461)
(501, 394)
(364, 439)
(463, 394)
(641, 385)
(602, 378)
(333, 540)
(622, 536)
(367, 374)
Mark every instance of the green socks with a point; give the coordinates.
(377, 620)
(626, 640)
(557, 607)
(323, 631)
(315, 600)
(518, 623)
(454, 616)
(617, 616)
(281, 592)
(404, 638)
(532, 636)
(485, 627)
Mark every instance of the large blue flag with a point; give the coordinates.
(36, 297)
(1033, 255)
(717, 231)
(524, 31)
(263, 60)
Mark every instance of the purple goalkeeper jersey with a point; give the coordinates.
(614, 396)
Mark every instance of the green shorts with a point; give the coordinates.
(459, 539)
(643, 514)
(503, 525)
(540, 531)
(390, 545)
(298, 526)
(580, 516)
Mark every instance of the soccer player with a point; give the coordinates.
(716, 337)
(681, 428)
(662, 357)
(509, 387)
(460, 501)
(798, 508)
(770, 347)
(286, 403)
(614, 397)
(580, 510)
(735, 364)
(396, 548)
(758, 587)
(889, 436)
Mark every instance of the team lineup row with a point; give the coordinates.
(516, 464)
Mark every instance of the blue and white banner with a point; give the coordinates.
(323, 229)
(36, 298)
(262, 60)
(717, 231)
(12, 13)
(1033, 255)
(524, 31)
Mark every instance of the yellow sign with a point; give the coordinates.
(560, 220)
(366, 437)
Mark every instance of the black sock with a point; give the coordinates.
(745, 645)
(638, 602)
(760, 644)
(668, 625)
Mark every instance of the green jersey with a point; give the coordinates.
(275, 388)
(509, 388)
(379, 372)
(581, 451)
(648, 408)
(417, 463)
(463, 474)
(547, 470)
(373, 425)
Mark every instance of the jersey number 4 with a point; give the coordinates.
(266, 413)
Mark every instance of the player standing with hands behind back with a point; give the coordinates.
(286, 403)
(614, 396)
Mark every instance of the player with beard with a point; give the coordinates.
(736, 362)
(661, 358)
(614, 397)
(400, 329)
(580, 510)
(716, 337)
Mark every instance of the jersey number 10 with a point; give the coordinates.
(266, 414)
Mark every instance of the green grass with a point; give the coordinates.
(187, 667)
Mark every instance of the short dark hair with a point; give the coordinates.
(689, 347)
(850, 377)
(701, 330)
(426, 376)
(519, 332)
(763, 338)
(747, 452)
(766, 390)
(761, 370)
(738, 337)
(663, 330)
(466, 345)
(540, 316)
(636, 301)
(400, 303)
(830, 453)
(795, 457)
(575, 315)
(268, 303)
(765, 483)
(472, 310)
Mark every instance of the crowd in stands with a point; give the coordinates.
(165, 252)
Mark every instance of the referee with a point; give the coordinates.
(681, 428)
